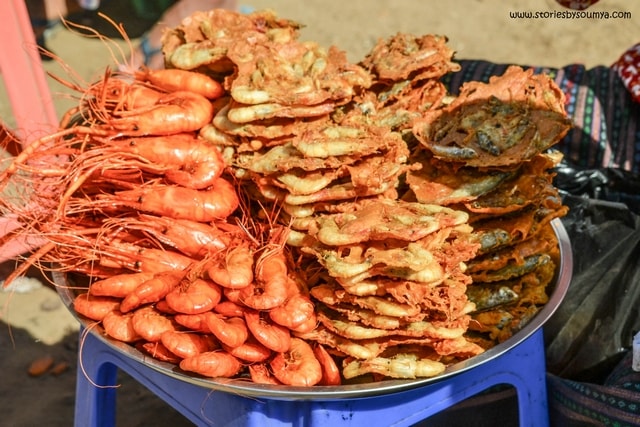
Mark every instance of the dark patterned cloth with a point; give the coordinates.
(615, 403)
(606, 130)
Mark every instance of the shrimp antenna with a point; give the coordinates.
(115, 50)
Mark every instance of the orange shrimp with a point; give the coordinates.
(118, 94)
(175, 112)
(152, 290)
(119, 326)
(174, 79)
(215, 203)
(138, 96)
(330, 370)
(150, 323)
(298, 310)
(187, 344)
(260, 374)
(120, 285)
(229, 309)
(94, 307)
(194, 239)
(158, 351)
(233, 269)
(112, 93)
(213, 364)
(269, 288)
(309, 325)
(182, 158)
(231, 332)
(194, 296)
(163, 307)
(142, 260)
(297, 365)
(271, 335)
(233, 295)
(249, 351)
(193, 322)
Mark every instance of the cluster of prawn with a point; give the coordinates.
(230, 316)
(142, 163)
(130, 196)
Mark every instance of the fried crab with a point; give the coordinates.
(501, 123)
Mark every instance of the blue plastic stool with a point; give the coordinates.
(523, 367)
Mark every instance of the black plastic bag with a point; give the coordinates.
(593, 327)
(612, 184)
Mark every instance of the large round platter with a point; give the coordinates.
(248, 388)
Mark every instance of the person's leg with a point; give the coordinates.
(89, 4)
(42, 17)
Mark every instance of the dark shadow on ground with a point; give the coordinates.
(49, 399)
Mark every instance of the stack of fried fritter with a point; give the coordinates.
(486, 153)
(393, 291)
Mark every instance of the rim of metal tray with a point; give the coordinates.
(250, 389)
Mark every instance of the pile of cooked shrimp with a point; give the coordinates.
(246, 212)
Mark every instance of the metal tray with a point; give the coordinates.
(248, 388)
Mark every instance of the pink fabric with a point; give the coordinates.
(628, 68)
(577, 4)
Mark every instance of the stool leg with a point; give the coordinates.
(533, 403)
(95, 389)
(96, 404)
(522, 367)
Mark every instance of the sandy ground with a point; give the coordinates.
(35, 323)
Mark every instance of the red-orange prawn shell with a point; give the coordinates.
(94, 307)
(249, 351)
(193, 322)
(233, 269)
(174, 79)
(295, 313)
(163, 307)
(182, 158)
(187, 344)
(330, 371)
(150, 323)
(120, 285)
(229, 309)
(297, 366)
(141, 259)
(231, 332)
(270, 286)
(309, 325)
(116, 94)
(195, 296)
(119, 326)
(175, 112)
(158, 351)
(271, 335)
(194, 239)
(152, 290)
(215, 203)
(261, 374)
(212, 364)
